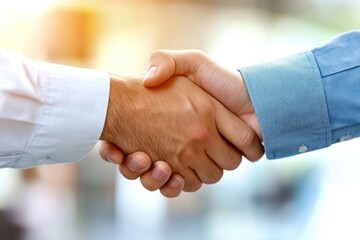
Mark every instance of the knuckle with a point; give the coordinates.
(198, 53)
(246, 137)
(200, 133)
(162, 56)
(192, 186)
(192, 182)
(157, 53)
(186, 156)
(233, 164)
(205, 106)
(214, 175)
(257, 155)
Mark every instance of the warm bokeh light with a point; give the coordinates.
(24, 7)
(299, 198)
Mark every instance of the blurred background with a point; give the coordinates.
(312, 196)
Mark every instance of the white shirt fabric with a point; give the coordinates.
(48, 113)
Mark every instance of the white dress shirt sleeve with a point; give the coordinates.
(48, 113)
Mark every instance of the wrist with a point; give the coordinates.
(114, 109)
(245, 103)
(126, 104)
(248, 112)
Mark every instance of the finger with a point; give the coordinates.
(134, 165)
(157, 176)
(192, 181)
(110, 153)
(239, 134)
(206, 168)
(226, 86)
(165, 63)
(224, 154)
(173, 186)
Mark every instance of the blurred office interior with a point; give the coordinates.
(310, 196)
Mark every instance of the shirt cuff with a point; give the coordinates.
(75, 107)
(289, 101)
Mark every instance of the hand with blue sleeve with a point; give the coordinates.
(297, 104)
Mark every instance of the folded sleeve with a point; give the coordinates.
(48, 113)
(289, 101)
(339, 65)
(309, 100)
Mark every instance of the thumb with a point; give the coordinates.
(226, 86)
(165, 64)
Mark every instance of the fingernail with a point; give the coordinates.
(158, 173)
(111, 161)
(151, 72)
(174, 182)
(135, 166)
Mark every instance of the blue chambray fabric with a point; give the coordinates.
(339, 65)
(309, 100)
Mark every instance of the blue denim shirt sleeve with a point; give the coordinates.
(339, 64)
(309, 100)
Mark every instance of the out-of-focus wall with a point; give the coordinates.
(283, 199)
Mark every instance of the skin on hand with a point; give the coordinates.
(228, 87)
(179, 123)
(163, 65)
(139, 164)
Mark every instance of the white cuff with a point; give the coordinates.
(75, 107)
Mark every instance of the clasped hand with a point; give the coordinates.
(181, 125)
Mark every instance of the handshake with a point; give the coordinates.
(181, 125)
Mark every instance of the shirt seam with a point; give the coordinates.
(326, 116)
